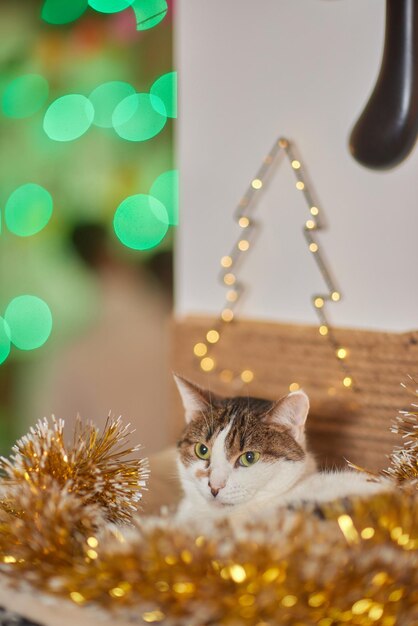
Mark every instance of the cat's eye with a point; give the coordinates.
(248, 458)
(202, 451)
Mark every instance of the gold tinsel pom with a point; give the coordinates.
(350, 562)
(404, 459)
(95, 467)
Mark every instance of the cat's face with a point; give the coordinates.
(233, 448)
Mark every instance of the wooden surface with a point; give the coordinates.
(351, 424)
(47, 610)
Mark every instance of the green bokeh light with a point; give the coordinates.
(136, 118)
(30, 322)
(105, 99)
(4, 340)
(68, 117)
(28, 210)
(149, 13)
(166, 189)
(140, 222)
(110, 6)
(165, 87)
(24, 96)
(63, 11)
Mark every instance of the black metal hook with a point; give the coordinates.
(387, 129)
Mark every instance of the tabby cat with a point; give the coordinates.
(243, 454)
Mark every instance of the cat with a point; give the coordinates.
(242, 455)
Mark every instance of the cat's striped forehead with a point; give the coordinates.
(243, 418)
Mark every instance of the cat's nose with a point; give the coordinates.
(215, 490)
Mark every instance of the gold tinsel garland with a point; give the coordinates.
(350, 562)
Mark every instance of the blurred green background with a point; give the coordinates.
(53, 243)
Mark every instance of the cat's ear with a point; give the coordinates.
(194, 398)
(291, 411)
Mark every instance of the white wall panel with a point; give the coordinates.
(250, 71)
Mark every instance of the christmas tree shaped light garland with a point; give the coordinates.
(244, 216)
(351, 562)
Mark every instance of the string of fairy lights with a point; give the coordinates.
(244, 216)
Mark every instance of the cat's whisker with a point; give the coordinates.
(206, 421)
(211, 411)
(246, 422)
